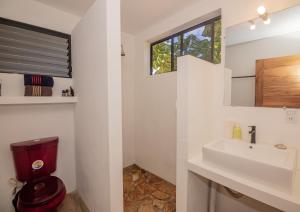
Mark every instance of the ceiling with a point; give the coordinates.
(282, 22)
(76, 7)
(139, 14)
(136, 14)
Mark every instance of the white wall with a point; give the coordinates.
(19, 123)
(155, 102)
(13, 85)
(155, 123)
(38, 14)
(156, 96)
(97, 77)
(128, 107)
(194, 126)
(241, 59)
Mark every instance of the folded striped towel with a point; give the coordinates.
(38, 80)
(32, 90)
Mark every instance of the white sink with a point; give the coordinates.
(263, 164)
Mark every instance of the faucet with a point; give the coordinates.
(252, 132)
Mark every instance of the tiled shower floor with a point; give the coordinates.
(145, 192)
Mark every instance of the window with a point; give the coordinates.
(161, 56)
(202, 41)
(28, 49)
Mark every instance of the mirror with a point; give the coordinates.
(262, 63)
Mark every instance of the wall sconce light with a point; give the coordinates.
(252, 25)
(266, 19)
(263, 15)
(122, 51)
(261, 10)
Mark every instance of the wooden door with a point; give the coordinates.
(278, 82)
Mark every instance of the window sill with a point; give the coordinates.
(29, 100)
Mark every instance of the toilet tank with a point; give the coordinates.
(34, 158)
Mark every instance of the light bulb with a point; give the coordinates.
(267, 21)
(261, 10)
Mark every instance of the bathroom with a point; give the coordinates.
(122, 115)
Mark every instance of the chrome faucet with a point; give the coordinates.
(252, 132)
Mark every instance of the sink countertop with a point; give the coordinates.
(261, 163)
(268, 195)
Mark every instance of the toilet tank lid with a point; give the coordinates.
(25, 145)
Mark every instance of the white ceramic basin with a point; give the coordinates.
(261, 163)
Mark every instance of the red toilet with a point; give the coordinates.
(34, 161)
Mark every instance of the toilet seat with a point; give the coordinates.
(41, 192)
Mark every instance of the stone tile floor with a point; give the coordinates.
(145, 192)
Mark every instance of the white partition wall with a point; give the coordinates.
(96, 60)
(195, 84)
(128, 106)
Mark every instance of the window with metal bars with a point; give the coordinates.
(202, 41)
(28, 49)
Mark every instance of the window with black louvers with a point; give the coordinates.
(28, 49)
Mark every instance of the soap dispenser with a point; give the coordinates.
(237, 132)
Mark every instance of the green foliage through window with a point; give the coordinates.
(202, 41)
(217, 41)
(161, 57)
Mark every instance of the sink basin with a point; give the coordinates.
(261, 163)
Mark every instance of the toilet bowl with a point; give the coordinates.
(34, 161)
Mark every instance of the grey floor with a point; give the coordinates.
(72, 204)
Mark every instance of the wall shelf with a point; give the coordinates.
(27, 100)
